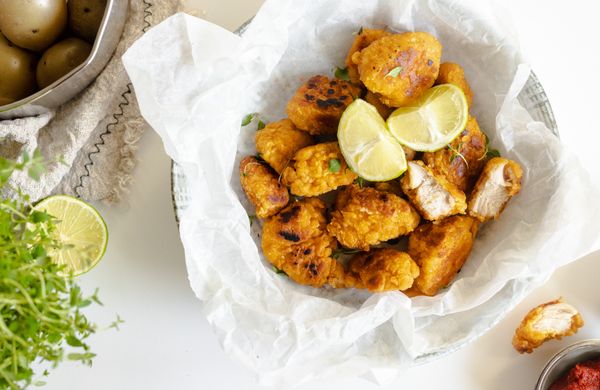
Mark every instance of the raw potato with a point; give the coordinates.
(33, 24)
(85, 17)
(17, 72)
(60, 59)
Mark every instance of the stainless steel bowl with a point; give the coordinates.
(65, 88)
(566, 359)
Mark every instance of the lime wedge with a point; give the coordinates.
(80, 229)
(366, 144)
(433, 121)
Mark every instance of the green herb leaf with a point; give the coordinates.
(456, 153)
(394, 72)
(491, 153)
(334, 165)
(342, 74)
(261, 125)
(278, 271)
(360, 181)
(247, 119)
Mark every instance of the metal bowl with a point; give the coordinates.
(566, 359)
(65, 88)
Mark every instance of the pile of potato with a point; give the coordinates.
(42, 40)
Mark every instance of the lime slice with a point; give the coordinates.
(366, 144)
(80, 229)
(433, 121)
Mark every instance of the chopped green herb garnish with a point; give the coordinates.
(456, 153)
(491, 153)
(261, 125)
(394, 72)
(334, 165)
(279, 271)
(342, 74)
(360, 181)
(247, 119)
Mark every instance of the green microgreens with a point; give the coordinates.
(394, 72)
(456, 153)
(342, 74)
(489, 153)
(279, 271)
(248, 119)
(261, 125)
(334, 165)
(361, 182)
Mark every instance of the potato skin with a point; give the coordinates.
(363, 39)
(365, 216)
(279, 141)
(451, 73)
(60, 59)
(262, 187)
(309, 172)
(318, 104)
(17, 72)
(383, 269)
(85, 17)
(417, 57)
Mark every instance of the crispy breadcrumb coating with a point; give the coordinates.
(392, 186)
(366, 216)
(319, 103)
(279, 141)
(296, 241)
(382, 109)
(383, 270)
(262, 187)
(363, 39)
(440, 249)
(317, 169)
(551, 320)
(399, 68)
(462, 161)
(451, 73)
(434, 196)
(498, 183)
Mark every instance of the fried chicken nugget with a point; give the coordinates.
(451, 73)
(461, 162)
(382, 109)
(319, 104)
(551, 320)
(498, 183)
(366, 216)
(262, 187)
(364, 38)
(434, 196)
(383, 270)
(296, 241)
(401, 67)
(317, 169)
(440, 249)
(279, 141)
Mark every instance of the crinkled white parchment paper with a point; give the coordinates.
(195, 82)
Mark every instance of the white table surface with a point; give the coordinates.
(165, 342)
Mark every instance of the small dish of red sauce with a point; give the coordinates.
(576, 367)
(584, 376)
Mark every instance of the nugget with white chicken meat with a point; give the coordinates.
(440, 249)
(279, 141)
(384, 269)
(434, 196)
(366, 216)
(498, 183)
(262, 187)
(551, 320)
(318, 104)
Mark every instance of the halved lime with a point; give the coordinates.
(433, 121)
(81, 231)
(366, 144)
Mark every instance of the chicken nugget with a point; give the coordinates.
(399, 68)
(364, 38)
(296, 241)
(498, 183)
(451, 73)
(434, 196)
(551, 320)
(317, 169)
(440, 249)
(319, 104)
(383, 270)
(279, 141)
(462, 161)
(262, 187)
(366, 216)
(382, 109)
(392, 186)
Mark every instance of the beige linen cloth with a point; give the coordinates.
(96, 133)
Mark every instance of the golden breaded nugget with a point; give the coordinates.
(382, 109)
(440, 249)
(451, 73)
(461, 162)
(551, 320)
(296, 241)
(366, 216)
(279, 141)
(401, 67)
(317, 169)
(319, 103)
(363, 39)
(383, 270)
(262, 187)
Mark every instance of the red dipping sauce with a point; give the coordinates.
(584, 376)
